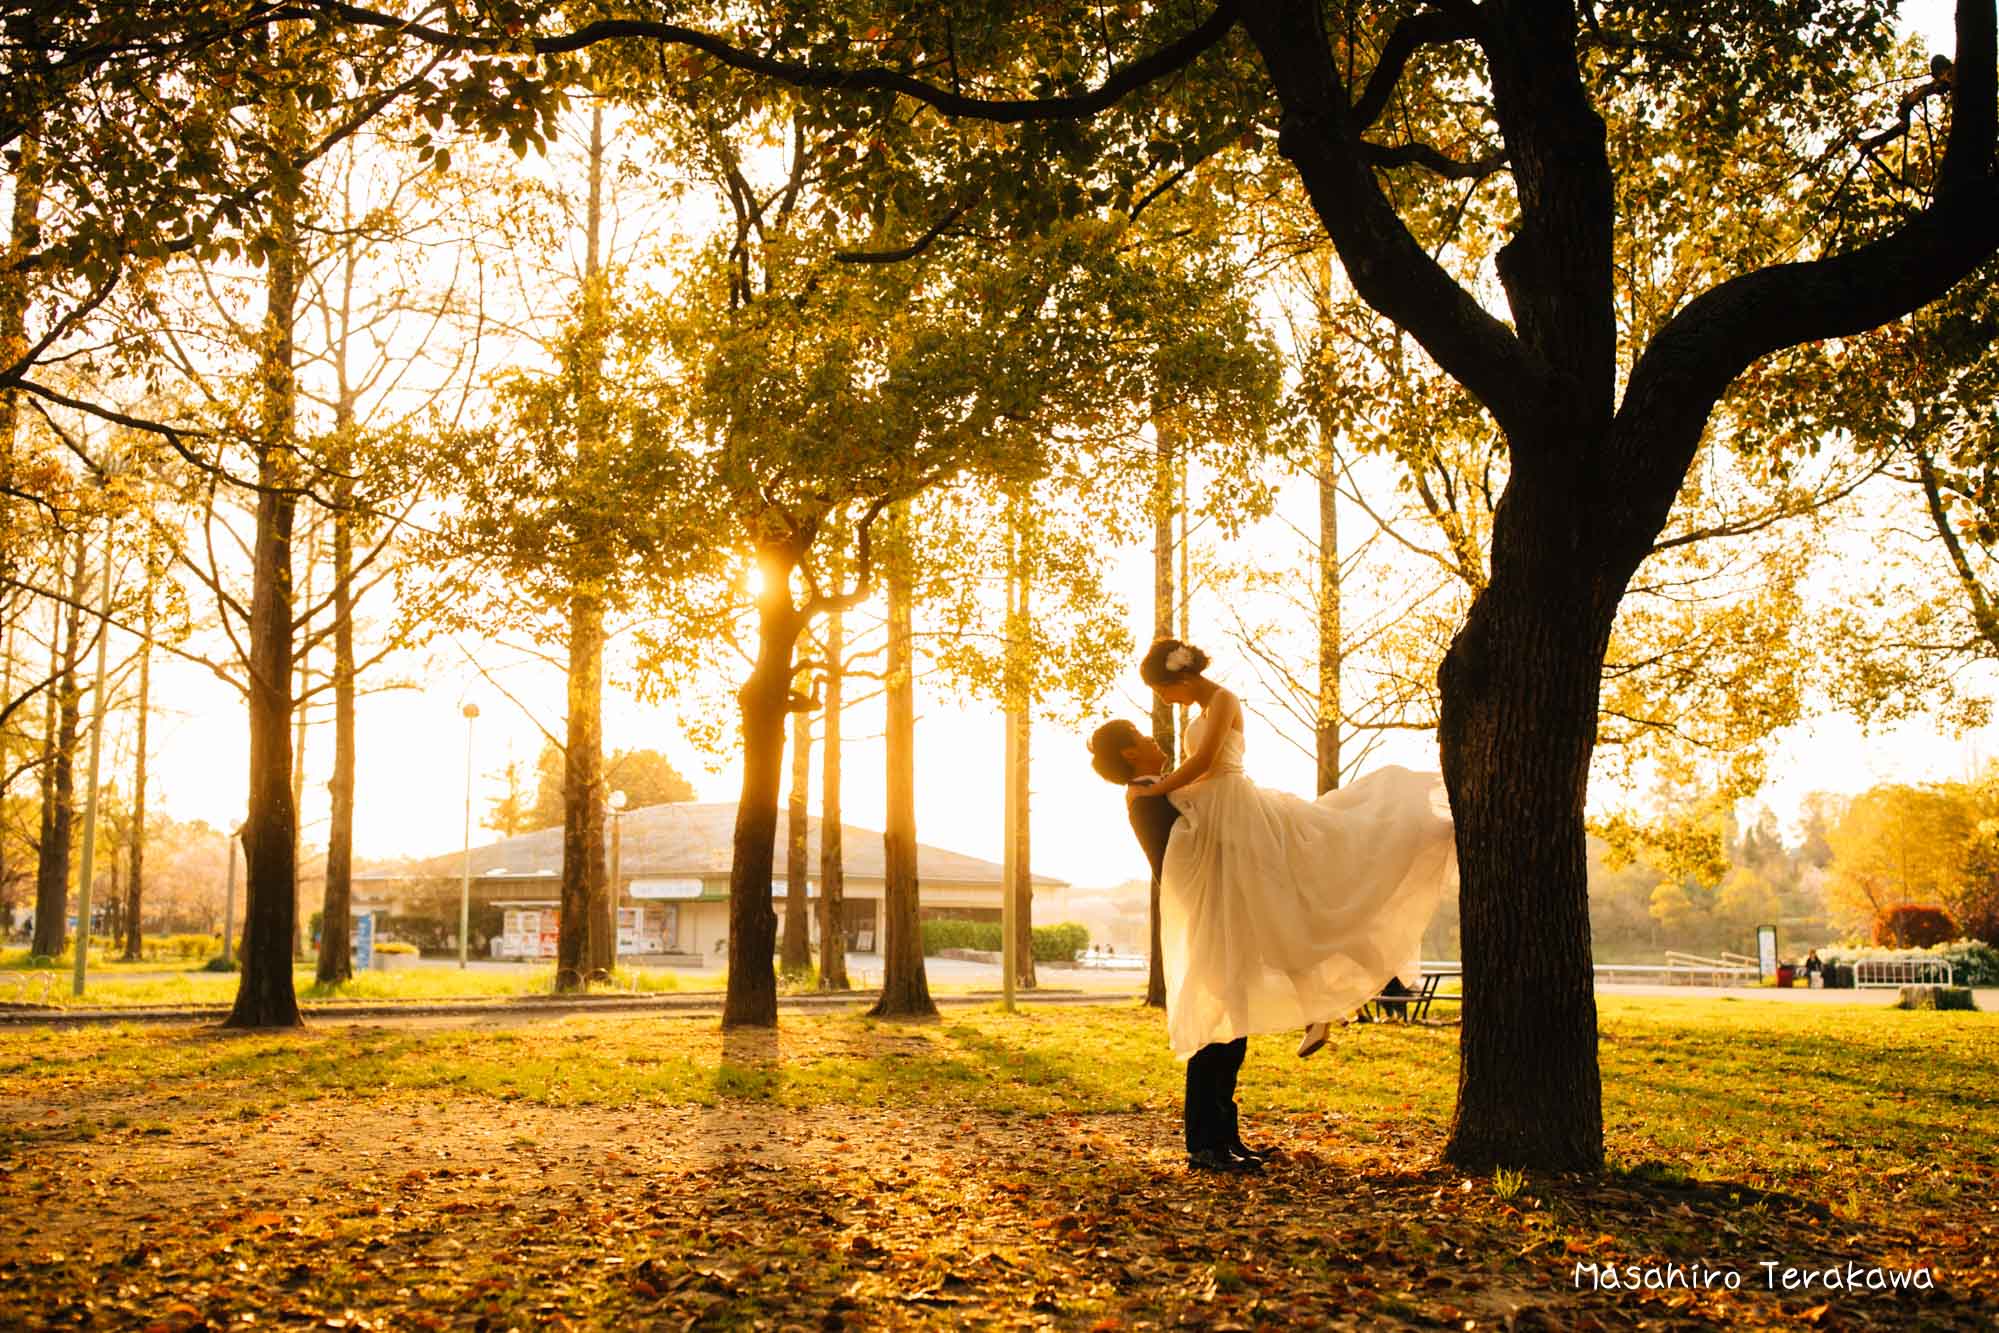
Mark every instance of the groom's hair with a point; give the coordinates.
(1107, 746)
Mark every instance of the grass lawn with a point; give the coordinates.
(981, 1169)
(144, 985)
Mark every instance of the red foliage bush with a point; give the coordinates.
(1911, 926)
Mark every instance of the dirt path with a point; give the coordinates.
(161, 1211)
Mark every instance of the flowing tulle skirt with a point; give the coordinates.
(1277, 911)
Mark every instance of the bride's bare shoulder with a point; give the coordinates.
(1223, 694)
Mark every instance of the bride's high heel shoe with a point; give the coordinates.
(1315, 1037)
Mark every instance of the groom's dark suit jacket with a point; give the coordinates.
(1211, 1072)
(1152, 819)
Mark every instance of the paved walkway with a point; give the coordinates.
(1987, 998)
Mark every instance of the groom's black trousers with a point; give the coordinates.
(1211, 1108)
(1211, 1072)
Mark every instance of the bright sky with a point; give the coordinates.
(412, 742)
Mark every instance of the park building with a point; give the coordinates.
(669, 868)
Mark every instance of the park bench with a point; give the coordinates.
(1412, 1005)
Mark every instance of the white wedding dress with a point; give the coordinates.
(1276, 911)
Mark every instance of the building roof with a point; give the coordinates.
(688, 839)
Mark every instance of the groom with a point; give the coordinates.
(1125, 755)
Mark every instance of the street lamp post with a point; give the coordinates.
(471, 711)
(617, 804)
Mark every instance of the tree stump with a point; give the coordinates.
(1935, 997)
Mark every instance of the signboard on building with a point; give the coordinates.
(665, 888)
(364, 941)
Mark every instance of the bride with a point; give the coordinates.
(1277, 912)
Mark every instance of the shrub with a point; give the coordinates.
(219, 964)
(1982, 924)
(1060, 944)
(1914, 926)
(160, 947)
(395, 946)
(948, 933)
(431, 934)
(1052, 944)
(1973, 962)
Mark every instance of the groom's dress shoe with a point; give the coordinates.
(1218, 1160)
(1242, 1152)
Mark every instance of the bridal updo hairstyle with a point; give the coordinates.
(1169, 661)
(1107, 746)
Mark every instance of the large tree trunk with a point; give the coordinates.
(265, 996)
(59, 785)
(336, 907)
(832, 855)
(135, 879)
(797, 959)
(905, 983)
(765, 698)
(1164, 492)
(1519, 691)
(1330, 651)
(581, 949)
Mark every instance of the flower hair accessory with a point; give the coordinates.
(1179, 659)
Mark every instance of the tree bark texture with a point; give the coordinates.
(797, 954)
(336, 909)
(586, 941)
(265, 996)
(136, 874)
(1020, 645)
(1331, 652)
(302, 665)
(905, 982)
(832, 855)
(765, 698)
(58, 832)
(581, 950)
(23, 238)
(1520, 688)
(1165, 492)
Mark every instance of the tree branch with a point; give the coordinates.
(1429, 28)
(1723, 331)
(1118, 84)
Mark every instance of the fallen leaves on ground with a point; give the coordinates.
(195, 1202)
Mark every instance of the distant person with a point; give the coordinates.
(1121, 753)
(1814, 970)
(1277, 912)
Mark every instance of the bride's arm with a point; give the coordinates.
(1219, 720)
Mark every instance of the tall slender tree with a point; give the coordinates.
(832, 849)
(52, 866)
(905, 983)
(135, 879)
(797, 947)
